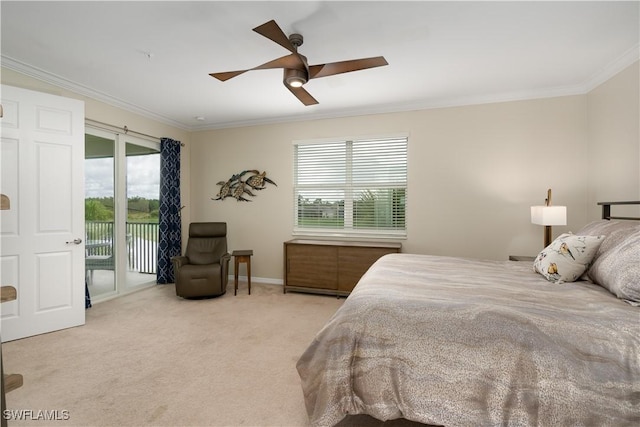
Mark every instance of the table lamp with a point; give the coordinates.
(548, 215)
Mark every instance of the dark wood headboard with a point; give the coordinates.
(606, 210)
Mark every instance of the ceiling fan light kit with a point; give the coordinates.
(297, 71)
(295, 78)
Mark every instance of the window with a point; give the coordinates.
(351, 187)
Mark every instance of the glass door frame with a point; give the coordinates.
(120, 207)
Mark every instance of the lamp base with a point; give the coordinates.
(547, 235)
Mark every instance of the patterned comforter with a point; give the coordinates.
(462, 342)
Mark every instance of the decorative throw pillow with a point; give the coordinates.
(618, 269)
(567, 257)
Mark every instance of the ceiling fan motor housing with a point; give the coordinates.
(294, 77)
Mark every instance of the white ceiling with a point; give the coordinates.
(154, 57)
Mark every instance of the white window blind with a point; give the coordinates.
(355, 187)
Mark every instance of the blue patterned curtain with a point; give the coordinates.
(87, 296)
(170, 233)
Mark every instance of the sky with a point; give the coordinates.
(143, 177)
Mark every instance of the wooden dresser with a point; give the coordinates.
(329, 266)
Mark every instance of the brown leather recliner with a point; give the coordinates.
(203, 271)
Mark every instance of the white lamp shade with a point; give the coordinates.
(549, 215)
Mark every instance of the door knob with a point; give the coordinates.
(75, 241)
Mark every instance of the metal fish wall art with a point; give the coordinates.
(237, 188)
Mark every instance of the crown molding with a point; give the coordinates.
(613, 68)
(405, 107)
(47, 77)
(620, 63)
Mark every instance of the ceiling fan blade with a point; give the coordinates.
(223, 77)
(292, 61)
(273, 32)
(304, 96)
(324, 70)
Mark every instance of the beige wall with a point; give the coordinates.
(473, 171)
(473, 174)
(614, 147)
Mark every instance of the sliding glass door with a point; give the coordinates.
(100, 237)
(122, 176)
(143, 200)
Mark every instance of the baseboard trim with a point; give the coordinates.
(266, 280)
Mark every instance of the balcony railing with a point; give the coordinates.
(142, 243)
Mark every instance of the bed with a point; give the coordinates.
(465, 342)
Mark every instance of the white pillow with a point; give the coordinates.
(567, 257)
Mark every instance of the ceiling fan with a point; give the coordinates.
(297, 70)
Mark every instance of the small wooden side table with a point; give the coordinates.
(238, 257)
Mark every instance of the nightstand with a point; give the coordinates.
(521, 258)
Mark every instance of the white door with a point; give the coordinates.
(42, 233)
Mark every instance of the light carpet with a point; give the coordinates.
(153, 359)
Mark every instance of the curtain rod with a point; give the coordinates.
(125, 129)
